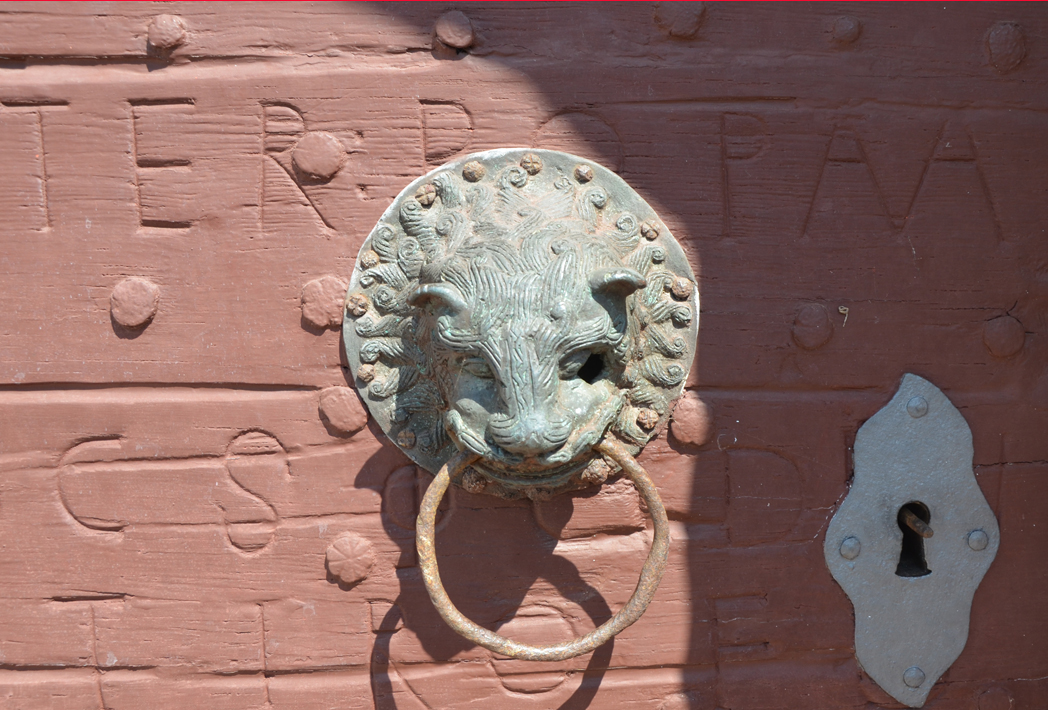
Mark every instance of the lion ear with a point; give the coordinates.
(616, 279)
(444, 295)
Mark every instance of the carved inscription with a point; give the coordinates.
(447, 128)
(157, 551)
(162, 171)
(23, 167)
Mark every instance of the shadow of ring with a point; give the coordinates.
(650, 576)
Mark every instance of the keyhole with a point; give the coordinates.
(913, 519)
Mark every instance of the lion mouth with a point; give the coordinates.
(515, 477)
(507, 466)
(549, 469)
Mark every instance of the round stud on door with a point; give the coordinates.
(134, 302)
(167, 31)
(845, 30)
(454, 29)
(350, 558)
(318, 155)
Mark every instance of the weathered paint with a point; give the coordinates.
(169, 491)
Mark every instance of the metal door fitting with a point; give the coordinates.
(912, 540)
(520, 322)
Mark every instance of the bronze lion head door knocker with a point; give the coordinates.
(520, 323)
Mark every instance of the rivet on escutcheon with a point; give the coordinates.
(917, 407)
(426, 195)
(366, 372)
(473, 171)
(681, 288)
(583, 173)
(473, 482)
(406, 439)
(357, 304)
(978, 540)
(531, 163)
(913, 677)
(369, 259)
(850, 547)
(596, 472)
(647, 419)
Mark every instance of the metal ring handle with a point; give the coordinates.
(650, 575)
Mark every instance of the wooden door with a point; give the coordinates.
(195, 511)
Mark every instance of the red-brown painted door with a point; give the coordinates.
(195, 511)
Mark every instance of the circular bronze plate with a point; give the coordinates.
(520, 304)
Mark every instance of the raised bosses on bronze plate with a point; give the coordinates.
(520, 305)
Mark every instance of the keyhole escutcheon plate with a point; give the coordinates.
(914, 454)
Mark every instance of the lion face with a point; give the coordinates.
(511, 305)
(534, 351)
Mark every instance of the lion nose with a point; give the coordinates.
(530, 435)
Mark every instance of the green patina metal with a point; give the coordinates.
(520, 305)
(521, 322)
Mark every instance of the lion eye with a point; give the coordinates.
(569, 366)
(585, 365)
(478, 367)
